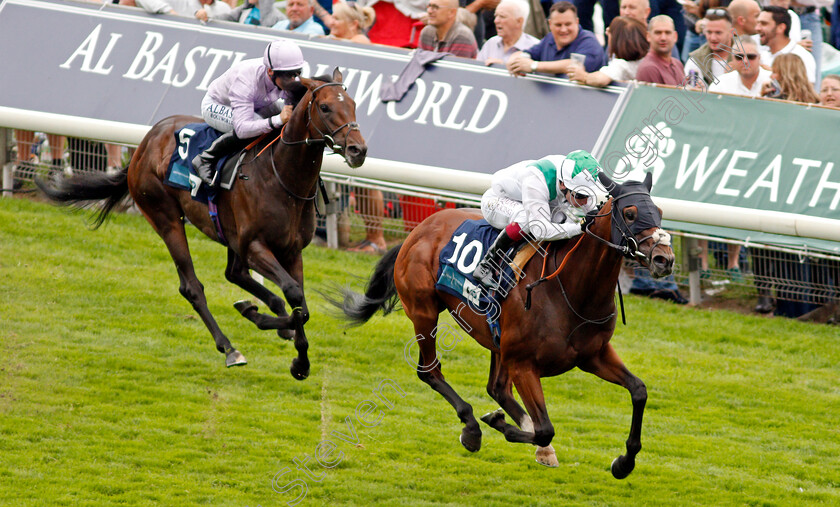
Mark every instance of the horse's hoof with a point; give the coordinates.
(299, 369)
(494, 418)
(547, 457)
(470, 441)
(286, 334)
(235, 358)
(621, 467)
(244, 306)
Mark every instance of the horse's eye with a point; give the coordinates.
(325, 108)
(630, 215)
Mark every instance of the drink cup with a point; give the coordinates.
(578, 60)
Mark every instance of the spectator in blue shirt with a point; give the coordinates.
(552, 55)
(300, 18)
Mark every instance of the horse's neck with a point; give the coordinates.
(593, 268)
(299, 164)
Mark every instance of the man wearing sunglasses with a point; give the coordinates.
(538, 198)
(748, 76)
(249, 99)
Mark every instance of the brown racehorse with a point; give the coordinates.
(268, 217)
(569, 324)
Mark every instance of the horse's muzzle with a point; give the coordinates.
(662, 262)
(355, 154)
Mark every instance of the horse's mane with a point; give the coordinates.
(297, 90)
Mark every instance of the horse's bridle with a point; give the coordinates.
(629, 246)
(326, 138)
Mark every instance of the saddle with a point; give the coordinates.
(192, 139)
(459, 258)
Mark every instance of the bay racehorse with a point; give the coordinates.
(569, 324)
(267, 218)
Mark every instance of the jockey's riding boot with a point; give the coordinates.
(204, 161)
(485, 270)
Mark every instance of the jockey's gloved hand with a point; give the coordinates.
(277, 121)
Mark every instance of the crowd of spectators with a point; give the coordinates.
(767, 48)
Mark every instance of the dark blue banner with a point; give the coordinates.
(118, 63)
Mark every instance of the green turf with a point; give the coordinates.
(111, 392)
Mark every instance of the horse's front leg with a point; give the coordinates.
(237, 273)
(609, 367)
(300, 315)
(527, 381)
(290, 281)
(499, 388)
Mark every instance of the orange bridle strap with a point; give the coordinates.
(566, 258)
(544, 278)
(257, 140)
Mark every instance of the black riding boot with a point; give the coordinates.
(484, 272)
(203, 162)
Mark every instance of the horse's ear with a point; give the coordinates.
(608, 183)
(649, 181)
(337, 75)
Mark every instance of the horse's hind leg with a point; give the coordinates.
(172, 232)
(609, 367)
(499, 388)
(237, 273)
(429, 371)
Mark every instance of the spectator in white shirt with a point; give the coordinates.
(509, 20)
(774, 29)
(795, 25)
(628, 44)
(748, 76)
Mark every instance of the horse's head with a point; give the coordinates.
(636, 225)
(332, 117)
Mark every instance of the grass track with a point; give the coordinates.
(111, 392)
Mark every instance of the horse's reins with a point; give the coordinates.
(631, 250)
(543, 278)
(325, 138)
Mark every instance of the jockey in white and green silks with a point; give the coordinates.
(538, 198)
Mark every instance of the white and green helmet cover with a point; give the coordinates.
(579, 172)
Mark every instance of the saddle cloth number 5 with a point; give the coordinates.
(184, 136)
(462, 254)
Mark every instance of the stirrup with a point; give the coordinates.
(487, 280)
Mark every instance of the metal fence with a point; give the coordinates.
(370, 215)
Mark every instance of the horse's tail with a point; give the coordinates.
(380, 293)
(83, 188)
